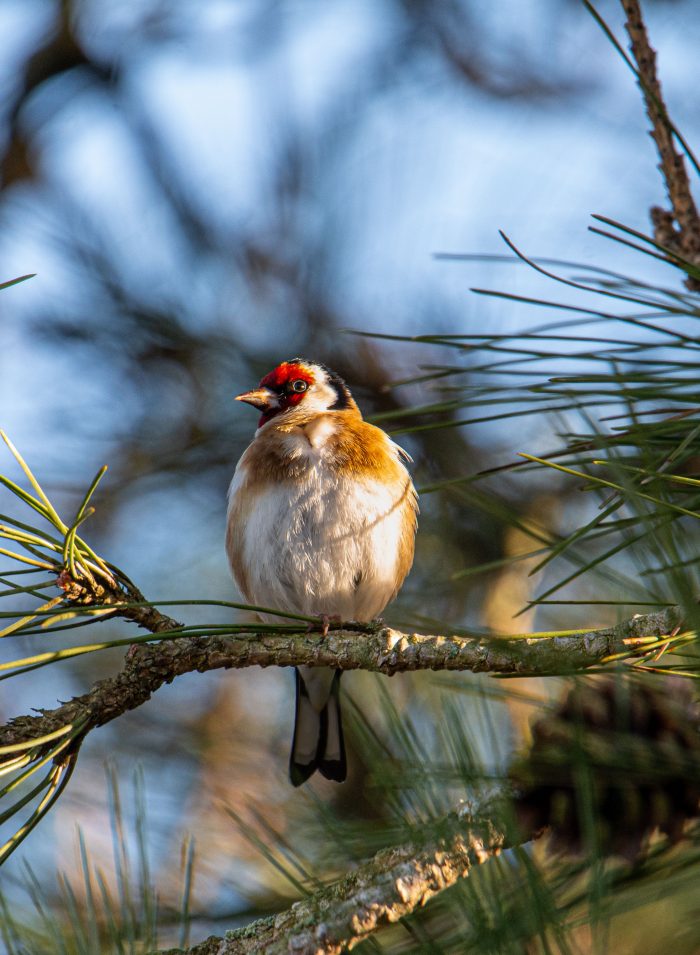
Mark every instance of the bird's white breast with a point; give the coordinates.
(322, 543)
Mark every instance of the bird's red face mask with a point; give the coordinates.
(282, 389)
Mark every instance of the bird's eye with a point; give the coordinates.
(299, 386)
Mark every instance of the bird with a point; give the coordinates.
(321, 522)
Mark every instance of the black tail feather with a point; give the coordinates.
(334, 768)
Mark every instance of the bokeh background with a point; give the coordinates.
(205, 188)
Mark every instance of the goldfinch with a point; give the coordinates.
(321, 521)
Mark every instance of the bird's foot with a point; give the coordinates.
(324, 622)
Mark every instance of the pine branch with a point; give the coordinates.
(685, 238)
(381, 891)
(147, 667)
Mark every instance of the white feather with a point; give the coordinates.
(323, 543)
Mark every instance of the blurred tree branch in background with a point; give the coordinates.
(150, 327)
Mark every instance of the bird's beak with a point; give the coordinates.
(263, 398)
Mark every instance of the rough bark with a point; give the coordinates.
(148, 666)
(678, 229)
(381, 891)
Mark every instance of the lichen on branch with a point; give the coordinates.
(149, 666)
(391, 885)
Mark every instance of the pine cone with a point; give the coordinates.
(619, 758)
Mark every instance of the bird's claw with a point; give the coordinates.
(324, 622)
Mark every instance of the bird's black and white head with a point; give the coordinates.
(299, 384)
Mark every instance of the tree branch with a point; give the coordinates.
(149, 666)
(685, 238)
(381, 891)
